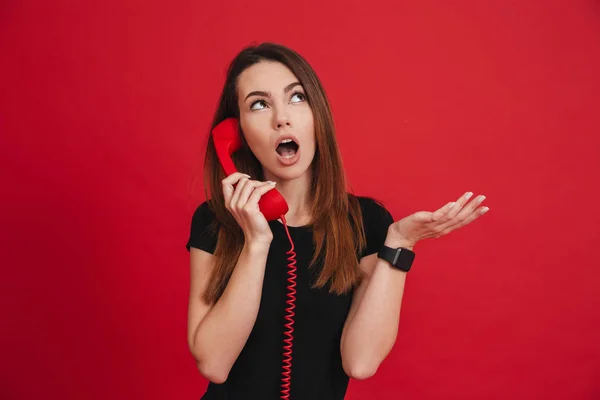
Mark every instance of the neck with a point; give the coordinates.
(296, 193)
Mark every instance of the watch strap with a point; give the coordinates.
(400, 258)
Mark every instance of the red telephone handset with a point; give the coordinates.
(272, 205)
(227, 140)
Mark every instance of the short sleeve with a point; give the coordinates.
(376, 220)
(203, 229)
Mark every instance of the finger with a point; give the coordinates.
(465, 212)
(235, 178)
(472, 217)
(258, 192)
(246, 192)
(470, 207)
(441, 215)
(228, 186)
(460, 203)
(227, 193)
(450, 210)
(238, 190)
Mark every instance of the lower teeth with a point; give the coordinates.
(289, 156)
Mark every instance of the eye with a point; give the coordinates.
(258, 102)
(301, 95)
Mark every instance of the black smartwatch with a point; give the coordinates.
(400, 258)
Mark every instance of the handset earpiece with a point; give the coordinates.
(227, 140)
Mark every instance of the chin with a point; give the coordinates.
(290, 173)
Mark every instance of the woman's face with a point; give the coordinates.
(273, 108)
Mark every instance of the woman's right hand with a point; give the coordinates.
(242, 203)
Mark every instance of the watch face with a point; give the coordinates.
(404, 259)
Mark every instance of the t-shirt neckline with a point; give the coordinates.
(278, 222)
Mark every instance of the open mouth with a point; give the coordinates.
(287, 148)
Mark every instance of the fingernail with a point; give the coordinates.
(248, 176)
(271, 182)
(480, 199)
(484, 210)
(452, 204)
(468, 195)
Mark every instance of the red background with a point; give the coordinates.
(105, 108)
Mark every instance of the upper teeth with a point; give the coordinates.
(285, 141)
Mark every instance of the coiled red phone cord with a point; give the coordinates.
(291, 295)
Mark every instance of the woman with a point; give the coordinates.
(347, 299)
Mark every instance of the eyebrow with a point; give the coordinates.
(267, 94)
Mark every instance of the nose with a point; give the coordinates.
(281, 119)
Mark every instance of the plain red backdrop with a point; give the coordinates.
(105, 109)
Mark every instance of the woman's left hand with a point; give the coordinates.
(424, 224)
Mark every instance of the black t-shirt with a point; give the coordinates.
(317, 372)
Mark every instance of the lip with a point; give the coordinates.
(289, 161)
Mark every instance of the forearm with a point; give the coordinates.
(222, 334)
(372, 330)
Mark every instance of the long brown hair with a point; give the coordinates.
(335, 214)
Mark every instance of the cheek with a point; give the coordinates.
(257, 144)
(307, 126)
(252, 128)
